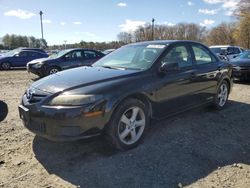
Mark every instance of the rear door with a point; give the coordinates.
(90, 57)
(207, 69)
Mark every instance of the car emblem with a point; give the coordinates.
(29, 94)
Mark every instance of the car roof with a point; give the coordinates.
(28, 50)
(223, 46)
(71, 49)
(164, 42)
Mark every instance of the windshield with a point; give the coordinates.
(244, 55)
(11, 53)
(139, 57)
(59, 54)
(216, 50)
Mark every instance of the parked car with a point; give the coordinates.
(121, 92)
(227, 52)
(20, 57)
(65, 59)
(241, 66)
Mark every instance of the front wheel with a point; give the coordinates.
(5, 65)
(128, 124)
(221, 96)
(52, 70)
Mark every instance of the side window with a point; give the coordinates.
(90, 55)
(233, 50)
(74, 55)
(33, 54)
(178, 56)
(236, 51)
(202, 56)
(23, 54)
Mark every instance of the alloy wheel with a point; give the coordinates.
(53, 71)
(5, 66)
(131, 125)
(223, 95)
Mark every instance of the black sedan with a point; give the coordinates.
(241, 66)
(120, 93)
(65, 59)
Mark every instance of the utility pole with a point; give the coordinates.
(41, 19)
(153, 20)
(65, 41)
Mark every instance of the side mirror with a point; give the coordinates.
(16, 55)
(167, 67)
(64, 58)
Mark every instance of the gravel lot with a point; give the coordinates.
(199, 148)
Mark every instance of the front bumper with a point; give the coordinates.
(241, 73)
(61, 123)
(37, 71)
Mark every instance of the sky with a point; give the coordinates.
(101, 20)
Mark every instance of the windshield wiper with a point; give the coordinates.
(112, 67)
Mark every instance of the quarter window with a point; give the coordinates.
(178, 56)
(202, 56)
(90, 54)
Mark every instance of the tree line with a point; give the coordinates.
(233, 33)
(14, 41)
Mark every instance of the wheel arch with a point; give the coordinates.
(139, 96)
(7, 61)
(228, 80)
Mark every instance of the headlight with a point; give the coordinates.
(73, 100)
(37, 65)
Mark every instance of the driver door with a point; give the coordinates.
(177, 88)
(72, 59)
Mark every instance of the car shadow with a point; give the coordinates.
(15, 69)
(3, 110)
(244, 82)
(183, 148)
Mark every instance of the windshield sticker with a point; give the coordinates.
(155, 46)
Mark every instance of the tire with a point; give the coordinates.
(52, 70)
(221, 96)
(5, 65)
(128, 125)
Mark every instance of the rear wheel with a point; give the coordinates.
(221, 95)
(128, 124)
(53, 70)
(5, 65)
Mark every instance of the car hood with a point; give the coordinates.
(3, 57)
(241, 62)
(79, 77)
(46, 59)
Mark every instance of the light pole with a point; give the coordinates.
(65, 44)
(41, 19)
(153, 20)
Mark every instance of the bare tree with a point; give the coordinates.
(222, 34)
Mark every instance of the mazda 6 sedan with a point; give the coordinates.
(119, 94)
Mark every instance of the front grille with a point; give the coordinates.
(34, 95)
(36, 98)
